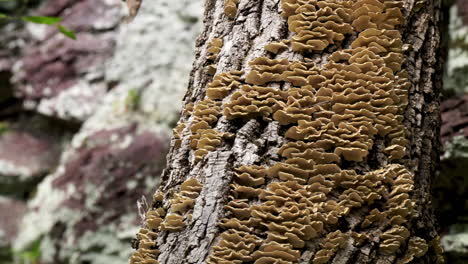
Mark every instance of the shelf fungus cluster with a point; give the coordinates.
(214, 48)
(171, 220)
(230, 8)
(333, 114)
(322, 195)
(203, 137)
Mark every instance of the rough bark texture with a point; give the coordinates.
(201, 233)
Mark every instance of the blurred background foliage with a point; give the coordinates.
(86, 123)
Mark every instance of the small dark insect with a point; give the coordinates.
(133, 8)
(142, 206)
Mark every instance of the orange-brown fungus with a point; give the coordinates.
(181, 203)
(230, 8)
(276, 47)
(319, 195)
(214, 48)
(204, 138)
(333, 115)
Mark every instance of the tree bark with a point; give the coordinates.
(314, 142)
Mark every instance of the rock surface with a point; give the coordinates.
(61, 77)
(29, 149)
(454, 117)
(86, 210)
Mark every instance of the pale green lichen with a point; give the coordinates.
(457, 63)
(457, 148)
(457, 240)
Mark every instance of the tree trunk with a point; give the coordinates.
(309, 135)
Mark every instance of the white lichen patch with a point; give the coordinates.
(76, 103)
(157, 62)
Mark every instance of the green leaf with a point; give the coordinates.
(47, 20)
(3, 16)
(67, 32)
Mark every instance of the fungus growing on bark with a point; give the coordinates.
(276, 47)
(234, 247)
(331, 244)
(211, 69)
(265, 70)
(205, 139)
(393, 239)
(154, 218)
(214, 48)
(177, 134)
(181, 203)
(331, 115)
(173, 223)
(230, 8)
(223, 84)
(146, 252)
(252, 101)
(250, 175)
(317, 24)
(417, 247)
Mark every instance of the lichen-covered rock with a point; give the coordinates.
(11, 212)
(9, 221)
(86, 210)
(456, 244)
(457, 63)
(26, 155)
(454, 117)
(58, 76)
(154, 55)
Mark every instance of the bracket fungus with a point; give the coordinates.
(181, 203)
(230, 8)
(331, 113)
(214, 48)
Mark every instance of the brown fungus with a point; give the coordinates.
(230, 8)
(223, 84)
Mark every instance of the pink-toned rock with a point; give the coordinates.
(12, 212)
(87, 208)
(454, 117)
(52, 64)
(463, 9)
(25, 156)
